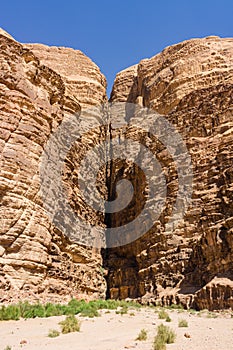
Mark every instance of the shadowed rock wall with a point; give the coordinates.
(191, 84)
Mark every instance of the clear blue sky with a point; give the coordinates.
(116, 34)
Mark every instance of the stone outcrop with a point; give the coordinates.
(39, 87)
(191, 84)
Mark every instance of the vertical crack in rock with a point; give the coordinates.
(191, 85)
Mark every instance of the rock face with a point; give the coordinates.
(39, 87)
(191, 84)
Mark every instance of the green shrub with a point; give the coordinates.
(183, 323)
(53, 310)
(89, 312)
(39, 310)
(165, 335)
(142, 335)
(10, 312)
(53, 333)
(74, 307)
(31, 310)
(176, 307)
(26, 310)
(106, 304)
(168, 318)
(8, 347)
(70, 324)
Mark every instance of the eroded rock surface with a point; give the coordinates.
(39, 87)
(191, 84)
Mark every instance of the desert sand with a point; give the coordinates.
(113, 331)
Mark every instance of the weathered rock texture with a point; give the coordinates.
(190, 83)
(39, 87)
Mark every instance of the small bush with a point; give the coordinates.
(183, 323)
(81, 307)
(31, 311)
(53, 333)
(142, 335)
(165, 335)
(10, 312)
(8, 347)
(56, 310)
(90, 312)
(159, 344)
(163, 314)
(70, 324)
(168, 318)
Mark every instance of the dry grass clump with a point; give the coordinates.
(183, 323)
(53, 333)
(165, 335)
(70, 324)
(142, 335)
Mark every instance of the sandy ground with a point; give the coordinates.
(115, 332)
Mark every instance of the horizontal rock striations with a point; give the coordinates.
(191, 84)
(39, 87)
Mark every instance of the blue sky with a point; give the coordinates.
(116, 34)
